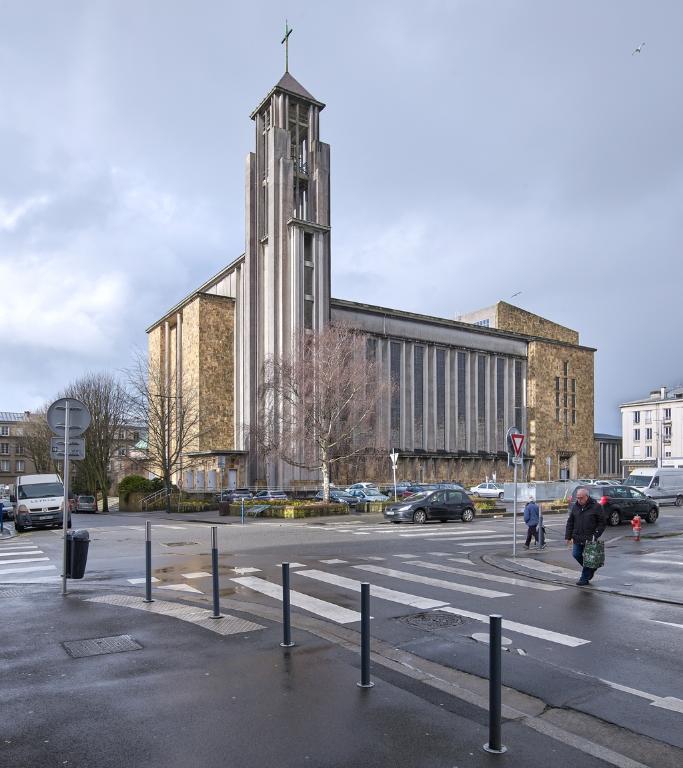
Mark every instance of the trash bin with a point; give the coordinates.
(77, 543)
(223, 508)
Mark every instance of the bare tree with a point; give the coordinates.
(35, 441)
(171, 418)
(108, 402)
(318, 405)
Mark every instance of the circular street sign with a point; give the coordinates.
(79, 417)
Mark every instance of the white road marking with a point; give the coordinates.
(488, 576)
(439, 554)
(440, 532)
(172, 527)
(537, 565)
(383, 594)
(25, 560)
(651, 559)
(295, 565)
(361, 533)
(142, 581)
(22, 551)
(372, 557)
(31, 569)
(195, 575)
(405, 557)
(523, 629)
(463, 560)
(417, 579)
(663, 702)
(181, 588)
(312, 604)
(334, 562)
(668, 623)
(247, 570)
(450, 536)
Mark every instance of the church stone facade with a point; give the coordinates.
(457, 385)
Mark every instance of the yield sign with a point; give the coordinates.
(517, 442)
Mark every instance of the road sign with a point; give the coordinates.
(76, 448)
(517, 441)
(79, 417)
(517, 460)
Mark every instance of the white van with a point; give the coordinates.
(40, 502)
(664, 484)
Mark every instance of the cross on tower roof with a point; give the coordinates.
(285, 40)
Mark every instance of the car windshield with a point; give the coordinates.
(38, 490)
(418, 496)
(638, 481)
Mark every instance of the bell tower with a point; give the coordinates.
(287, 253)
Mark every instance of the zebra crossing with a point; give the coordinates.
(22, 561)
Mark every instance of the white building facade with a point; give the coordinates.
(652, 430)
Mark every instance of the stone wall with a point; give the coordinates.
(511, 318)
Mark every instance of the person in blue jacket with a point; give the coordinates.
(531, 517)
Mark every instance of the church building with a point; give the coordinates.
(457, 385)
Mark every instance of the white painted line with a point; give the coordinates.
(171, 527)
(30, 569)
(439, 554)
(24, 560)
(537, 565)
(405, 557)
(450, 536)
(334, 562)
(462, 560)
(22, 551)
(142, 581)
(488, 576)
(362, 533)
(247, 570)
(668, 623)
(181, 588)
(371, 557)
(312, 604)
(481, 543)
(472, 534)
(32, 580)
(663, 702)
(523, 629)
(134, 527)
(417, 579)
(383, 594)
(651, 559)
(196, 575)
(295, 565)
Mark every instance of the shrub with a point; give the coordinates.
(136, 483)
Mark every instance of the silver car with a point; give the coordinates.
(85, 504)
(488, 490)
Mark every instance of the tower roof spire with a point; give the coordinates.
(285, 40)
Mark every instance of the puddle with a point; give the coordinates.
(226, 592)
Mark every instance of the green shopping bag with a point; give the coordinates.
(594, 554)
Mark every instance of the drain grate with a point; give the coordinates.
(179, 543)
(432, 620)
(98, 646)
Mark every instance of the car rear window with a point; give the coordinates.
(86, 499)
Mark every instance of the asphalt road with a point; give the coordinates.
(612, 656)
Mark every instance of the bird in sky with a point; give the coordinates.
(638, 49)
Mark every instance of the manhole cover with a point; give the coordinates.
(179, 543)
(97, 646)
(433, 620)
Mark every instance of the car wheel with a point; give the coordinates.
(467, 515)
(614, 517)
(19, 528)
(420, 517)
(679, 501)
(652, 515)
(500, 495)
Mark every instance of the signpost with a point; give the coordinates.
(515, 442)
(68, 418)
(394, 462)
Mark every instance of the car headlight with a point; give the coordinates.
(22, 508)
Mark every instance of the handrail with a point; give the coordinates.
(153, 497)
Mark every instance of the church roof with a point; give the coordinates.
(291, 85)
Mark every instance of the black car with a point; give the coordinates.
(432, 505)
(621, 502)
(234, 494)
(339, 497)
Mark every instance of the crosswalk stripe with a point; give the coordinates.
(181, 588)
(488, 576)
(537, 565)
(28, 570)
(142, 581)
(523, 629)
(333, 562)
(453, 535)
(418, 579)
(247, 570)
(312, 604)
(661, 561)
(462, 560)
(22, 551)
(171, 527)
(24, 560)
(196, 575)
(381, 592)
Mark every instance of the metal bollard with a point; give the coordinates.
(365, 636)
(242, 510)
(148, 562)
(214, 572)
(541, 535)
(495, 685)
(286, 625)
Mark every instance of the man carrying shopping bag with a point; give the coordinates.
(585, 524)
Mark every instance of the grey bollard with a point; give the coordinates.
(365, 637)
(495, 685)
(214, 573)
(286, 620)
(148, 562)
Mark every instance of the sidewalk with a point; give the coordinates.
(189, 695)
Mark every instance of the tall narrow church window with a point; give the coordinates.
(481, 402)
(440, 399)
(519, 396)
(308, 314)
(418, 395)
(500, 402)
(462, 400)
(395, 394)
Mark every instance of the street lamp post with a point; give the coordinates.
(394, 461)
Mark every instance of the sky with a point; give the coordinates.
(479, 149)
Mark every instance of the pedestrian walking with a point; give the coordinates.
(531, 518)
(586, 522)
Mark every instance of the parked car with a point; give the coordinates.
(234, 494)
(368, 494)
(361, 487)
(339, 497)
(620, 502)
(85, 504)
(432, 505)
(270, 496)
(488, 490)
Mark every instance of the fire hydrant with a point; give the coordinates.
(635, 524)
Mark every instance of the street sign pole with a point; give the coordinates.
(65, 513)
(514, 516)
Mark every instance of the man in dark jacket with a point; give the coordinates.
(586, 522)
